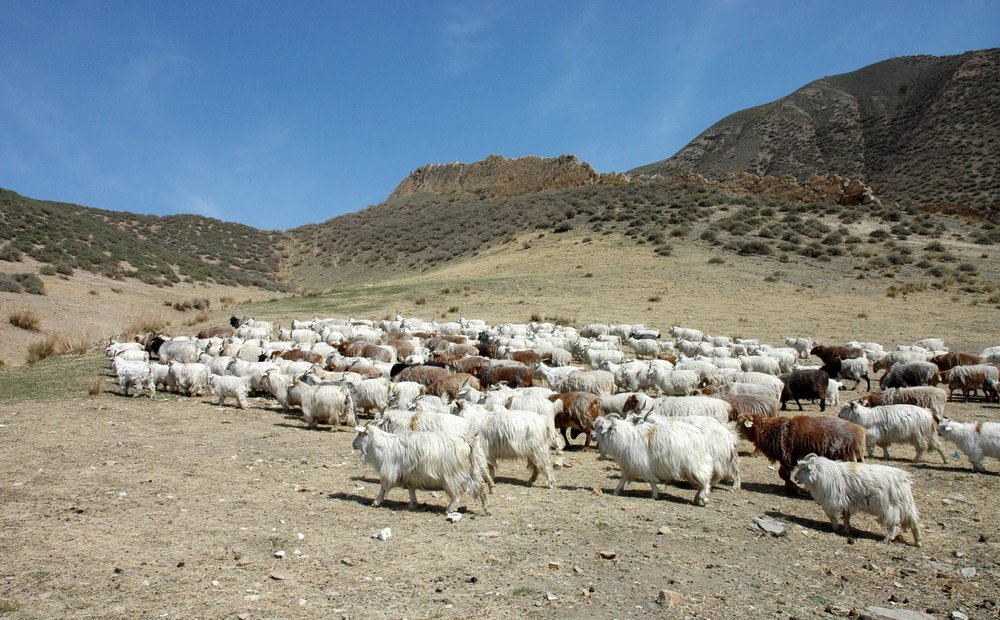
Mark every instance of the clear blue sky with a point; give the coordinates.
(277, 114)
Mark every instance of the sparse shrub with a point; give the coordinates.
(51, 345)
(562, 227)
(10, 254)
(655, 298)
(453, 309)
(47, 270)
(95, 387)
(716, 260)
(9, 284)
(420, 301)
(760, 248)
(25, 319)
(968, 268)
(588, 275)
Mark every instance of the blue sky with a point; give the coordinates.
(277, 114)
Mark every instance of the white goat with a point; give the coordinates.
(507, 434)
(843, 488)
(976, 439)
(426, 461)
(229, 387)
(659, 451)
(889, 424)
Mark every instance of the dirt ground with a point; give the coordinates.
(116, 507)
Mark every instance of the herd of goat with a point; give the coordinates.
(450, 400)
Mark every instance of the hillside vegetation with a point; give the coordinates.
(156, 250)
(921, 129)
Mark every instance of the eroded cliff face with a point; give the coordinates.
(499, 176)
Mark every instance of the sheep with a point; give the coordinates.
(802, 345)
(225, 387)
(707, 372)
(447, 385)
(900, 357)
(327, 404)
(969, 379)
(827, 353)
(543, 407)
(405, 392)
(513, 376)
(511, 434)
(188, 379)
(576, 411)
(805, 384)
(137, 375)
(833, 393)
(555, 376)
(425, 461)
(114, 348)
(931, 344)
(617, 402)
(593, 357)
(161, 375)
(976, 439)
(658, 451)
(844, 488)
(854, 369)
(889, 424)
(730, 383)
(673, 382)
(276, 383)
(629, 376)
(991, 355)
(928, 397)
(786, 440)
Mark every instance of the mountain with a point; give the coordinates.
(156, 250)
(920, 129)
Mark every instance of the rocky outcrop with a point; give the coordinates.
(499, 176)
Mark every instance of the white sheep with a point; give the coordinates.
(976, 439)
(644, 347)
(600, 382)
(658, 451)
(328, 404)
(833, 393)
(759, 378)
(507, 434)
(889, 424)
(426, 461)
(843, 488)
(684, 333)
(135, 374)
(721, 442)
(229, 387)
(371, 394)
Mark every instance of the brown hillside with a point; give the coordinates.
(918, 129)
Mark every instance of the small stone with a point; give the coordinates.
(577, 570)
(769, 525)
(887, 613)
(301, 535)
(383, 534)
(278, 576)
(663, 531)
(983, 538)
(609, 555)
(454, 517)
(554, 565)
(243, 616)
(347, 561)
(941, 567)
(119, 570)
(908, 571)
(243, 562)
(837, 610)
(489, 534)
(969, 572)
(551, 597)
(596, 491)
(669, 598)
(957, 553)
(215, 583)
(252, 597)
(958, 615)
(280, 554)
(493, 560)
(180, 564)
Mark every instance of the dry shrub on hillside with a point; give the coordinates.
(145, 325)
(95, 387)
(25, 319)
(51, 345)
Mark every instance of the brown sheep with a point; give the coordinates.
(804, 384)
(297, 355)
(925, 396)
(216, 332)
(469, 364)
(578, 412)
(827, 353)
(787, 440)
(527, 357)
(447, 386)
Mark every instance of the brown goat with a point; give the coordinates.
(787, 440)
(447, 386)
(827, 353)
(513, 376)
(216, 332)
(750, 404)
(804, 384)
(527, 357)
(297, 355)
(947, 361)
(578, 412)
(469, 364)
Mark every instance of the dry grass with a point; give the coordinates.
(144, 325)
(50, 346)
(25, 319)
(94, 389)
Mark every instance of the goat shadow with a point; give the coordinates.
(778, 490)
(958, 468)
(823, 526)
(321, 428)
(391, 504)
